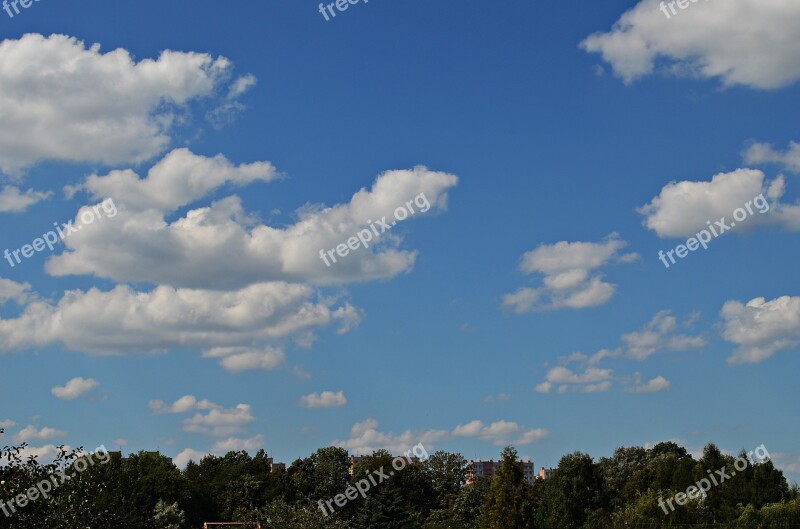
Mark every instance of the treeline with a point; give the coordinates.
(146, 491)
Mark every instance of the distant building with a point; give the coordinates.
(275, 467)
(488, 469)
(546, 473)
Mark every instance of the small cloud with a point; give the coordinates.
(13, 200)
(30, 433)
(502, 397)
(75, 388)
(652, 386)
(326, 399)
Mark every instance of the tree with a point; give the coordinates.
(507, 504)
(168, 516)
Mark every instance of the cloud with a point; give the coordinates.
(182, 405)
(220, 422)
(326, 399)
(502, 397)
(233, 444)
(740, 42)
(592, 380)
(75, 388)
(764, 153)
(567, 269)
(193, 251)
(658, 335)
(761, 328)
(500, 433)
(684, 208)
(13, 291)
(13, 200)
(30, 433)
(124, 320)
(120, 442)
(652, 386)
(186, 455)
(82, 105)
(365, 439)
(8, 423)
(239, 359)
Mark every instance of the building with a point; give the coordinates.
(546, 473)
(488, 469)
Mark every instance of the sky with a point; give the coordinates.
(558, 225)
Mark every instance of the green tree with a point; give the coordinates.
(508, 502)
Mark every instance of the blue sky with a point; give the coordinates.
(561, 146)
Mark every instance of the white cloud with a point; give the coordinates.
(592, 380)
(232, 444)
(75, 388)
(13, 291)
(13, 200)
(326, 399)
(141, 245)
(567, 268)
(500, 433)
(239, 359)
(220, 422)
(761, 328)
(502, 397)
(186, 455)
(365, 439)
(30, 433)
(8, 423)
(120, 442)
(123, 320)
(83, 105)
(182, 405)
(741, 42)
(658, 335)
(763, 153)
(684, 208)
(654, 385)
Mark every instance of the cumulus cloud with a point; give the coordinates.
(186, 455)
(75, 388)
(661, 334)
(194, 251)
(563, 380)
(365, 439)
(239, 359)
(82, 105)
(13, 291)
(684, 208)
(654, 385)
(761, 328)
(568, 269)
(326, 399)
(123, 320)
(500, 433)
(182, 405)
(233, 444)
(30, 433)
(502, 397)
(8, 423)
(764, 153)
(220, 422)
(14, 200)
(740, 42)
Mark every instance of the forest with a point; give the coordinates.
(147, 491)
